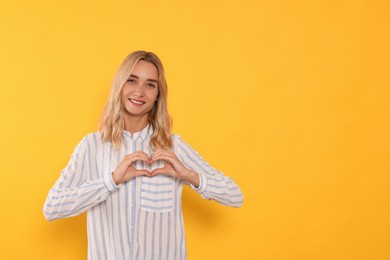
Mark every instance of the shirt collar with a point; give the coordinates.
(144, 133)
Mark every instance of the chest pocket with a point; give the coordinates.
(157, 192)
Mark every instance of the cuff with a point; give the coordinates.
(202, 184)
(109, 182)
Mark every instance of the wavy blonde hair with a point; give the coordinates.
(112, 120)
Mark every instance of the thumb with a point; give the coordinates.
(162, 170)
(141, 172)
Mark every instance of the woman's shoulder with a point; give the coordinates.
(92, 137)
(176, 139)
(175, 136)
(97, 135)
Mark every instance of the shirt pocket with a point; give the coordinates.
(157, 193)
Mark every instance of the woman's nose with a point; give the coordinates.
(139, 89)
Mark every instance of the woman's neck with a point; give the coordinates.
(135, 124)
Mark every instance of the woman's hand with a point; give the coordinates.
(173, 167)
(126, 170)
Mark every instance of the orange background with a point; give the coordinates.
(289, 98)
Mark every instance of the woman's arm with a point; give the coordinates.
(213, 184)
(73, 194)
(188, 165)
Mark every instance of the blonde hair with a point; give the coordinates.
(112, 120)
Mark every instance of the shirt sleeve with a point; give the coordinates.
(73, 193)
(213, 184)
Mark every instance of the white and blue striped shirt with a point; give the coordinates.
(139, 219)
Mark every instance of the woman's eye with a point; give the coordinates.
(131, 81)
(151, 85)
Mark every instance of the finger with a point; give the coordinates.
(167, 159)
(168, 156)
(136, 157)
(144, 155)
(164, 171)
(138, 153)
(141, 172)
(158, 152)
(153, 155)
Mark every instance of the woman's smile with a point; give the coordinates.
(136, 102)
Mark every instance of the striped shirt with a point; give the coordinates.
(138, 219)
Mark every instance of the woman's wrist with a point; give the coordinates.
(116, 179)
(192, 178)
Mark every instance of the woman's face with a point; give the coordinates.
(140, 91)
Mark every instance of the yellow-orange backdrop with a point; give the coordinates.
(289, 98)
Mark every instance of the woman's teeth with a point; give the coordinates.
(136, 102)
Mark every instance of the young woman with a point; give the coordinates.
(129, 175)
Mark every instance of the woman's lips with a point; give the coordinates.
(136, 102)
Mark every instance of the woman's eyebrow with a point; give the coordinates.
(134, 76)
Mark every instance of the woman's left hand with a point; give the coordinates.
(173, 167)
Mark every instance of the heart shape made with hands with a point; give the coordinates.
(160, 162)
(153, 169)
(142, 165)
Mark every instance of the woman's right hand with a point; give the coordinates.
(126, 170)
